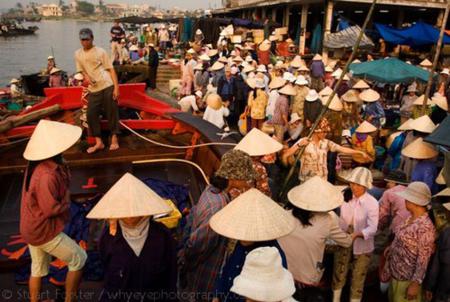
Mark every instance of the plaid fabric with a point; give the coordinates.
(204, 249)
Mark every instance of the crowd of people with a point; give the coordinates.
(241, 240)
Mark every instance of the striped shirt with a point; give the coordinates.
(204, 249)
(361, 213)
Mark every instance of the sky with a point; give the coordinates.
(164, 4)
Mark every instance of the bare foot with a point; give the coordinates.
(95, 148)
(114, 143)
(113, 146)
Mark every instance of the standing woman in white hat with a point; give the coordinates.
(362, 140)
(263, 278)
(241, 222)
(187, 73)
(410, 252)
(45, 206)
(138, 253)
(358, 217)
(315, 224)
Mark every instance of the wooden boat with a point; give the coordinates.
(95, 173)
(13, 32)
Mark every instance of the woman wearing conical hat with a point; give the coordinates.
(45, 206)
(425, 169)
(240, 221)
(138, 253)
(350, 112)
(315, 224)
(314, 159)
(362, 140)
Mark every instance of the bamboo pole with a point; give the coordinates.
(436, 59)
(325, 108)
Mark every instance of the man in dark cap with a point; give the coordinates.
(96, 67)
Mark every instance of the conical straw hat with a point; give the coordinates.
(361, 84)
(264, 46)
(317, 57)
(316, 195)
(288, 90)
(335, 104)
(440, 101)
(337, 73)
(369, 96)
(366, 127)
(351, 96)
(406, 125)
(426, 63)
(423, 124)
(253, 217)
(296, 62)
(217, 66)
(419, 149)
(51, 138)
(223, 60)
(212, 52)
(257, 143)
(391, 138)
(440, 180)
(326, 91)
(248, 68)
(277, 82)
(204, 57)
(129, 197)
(214, 101)
(420, 99)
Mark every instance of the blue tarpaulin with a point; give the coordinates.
(389, 71)
(420, 34)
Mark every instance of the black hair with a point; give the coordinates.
(303, 216)
(32, 164)
(219, 182)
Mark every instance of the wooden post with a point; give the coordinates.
(287, 11)
(325, 107)
(327, 27)
(274, 14)
(303, 25)
(440, 18)
(436, 59)
(263, 14)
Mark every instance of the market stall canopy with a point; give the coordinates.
(390, 70)
(347, 38)
(440, 136)
(419, 34)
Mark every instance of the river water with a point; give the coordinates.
(28, 54)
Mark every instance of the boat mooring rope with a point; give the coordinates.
(172, 146)
(161, 160)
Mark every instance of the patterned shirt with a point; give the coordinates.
(314, 159)
(281, 108)
(393, 209)
(411, 249)
(204, 249)
(361, 213)
(262, 179)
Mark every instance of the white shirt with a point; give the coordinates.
(273, 96)
(216, 117)
(187, 102)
